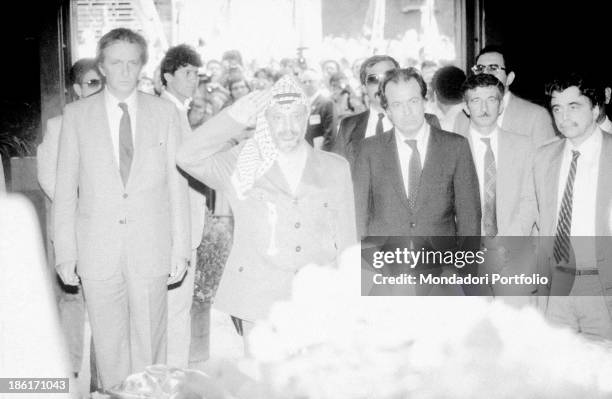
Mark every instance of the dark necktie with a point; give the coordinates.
(379, 124)
(126, 147)
(414, 173)
(562, 245)
(489, 214)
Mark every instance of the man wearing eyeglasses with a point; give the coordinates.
(85, 80)
(374, 120)
(518, 115)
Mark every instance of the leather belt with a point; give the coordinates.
(578, 272)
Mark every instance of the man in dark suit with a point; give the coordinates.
(374, 120)
(322, 121)
(415, 181)
(439, 196)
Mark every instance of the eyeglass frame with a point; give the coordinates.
(379, 77)
(90, 83)
(481, 68)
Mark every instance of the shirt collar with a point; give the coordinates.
(183, 106)
(589, 147)
(421, 136)
(112, 101)
(477, 136)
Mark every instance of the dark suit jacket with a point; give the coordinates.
(448, 201)
(322, 111)
(353, 129)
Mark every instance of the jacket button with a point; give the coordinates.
(240, 268)
(413, 225)
(297, 225)
(298, 248)
(125, 195)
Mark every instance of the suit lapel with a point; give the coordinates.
(552, 181)
(604, 188)
(506, 172)
(431, 165)
(361, 125)
(511, 114)
(143, 137)
(393, 167)
(104, 135)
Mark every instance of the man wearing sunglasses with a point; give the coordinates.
(519, 116)
(374, 120)
(85, 80)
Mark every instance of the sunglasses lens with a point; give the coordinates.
(372, 79)
(93, 83)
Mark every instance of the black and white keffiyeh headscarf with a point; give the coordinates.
(259, 152)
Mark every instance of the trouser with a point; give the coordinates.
(585, 310)
(180, 298)
(128, 317)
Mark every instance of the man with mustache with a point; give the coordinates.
(502, 161)
(293, 204)
(571, 200)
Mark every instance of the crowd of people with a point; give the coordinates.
(308, 163)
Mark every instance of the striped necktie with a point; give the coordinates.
(562, 245)
(489, 214)
(126, 147)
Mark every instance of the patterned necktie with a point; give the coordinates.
(414, 173)
(126, 147)
(379, 124)
(489, 214)
(561, 248)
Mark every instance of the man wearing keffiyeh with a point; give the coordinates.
(293, 205)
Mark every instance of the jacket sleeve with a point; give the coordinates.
(66, 191)
(467, 193)
(347, 229)
(329, 125)
(46, 158)
(362, 181)
(202, 154)
(179, 194)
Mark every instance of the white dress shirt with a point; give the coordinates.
(404, 151)
(292, 166)
(584, 195)
(183, 106)
(373, 120)
(479, 149)
(505, 101)
(115, 113)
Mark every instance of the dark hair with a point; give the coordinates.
(373, 60)
(234, 80)
(337, 77)
(447, 83)
(122, 35)
(588, 87)
(496, 48)
(482, 80)
(80, 68)
(177, 57)
(398, 75)
(232, 55)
